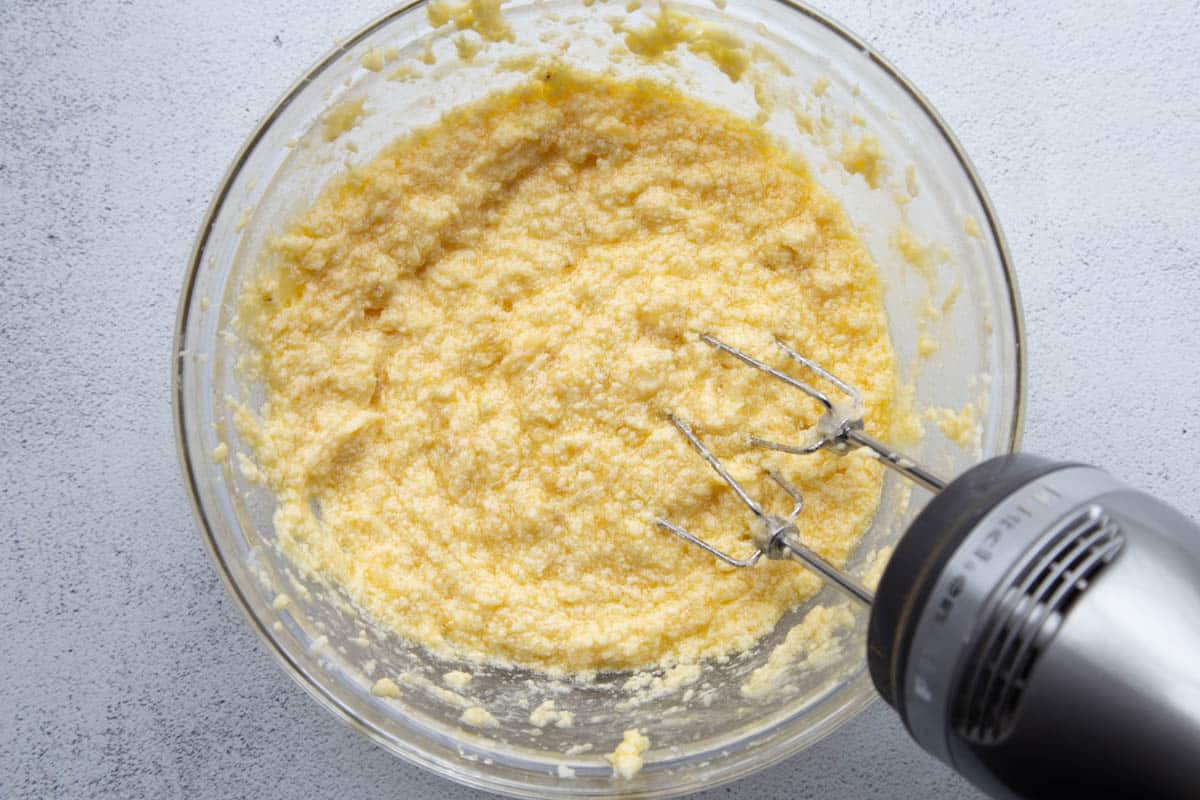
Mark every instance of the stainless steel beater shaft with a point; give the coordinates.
(774, 536)
(840, 428)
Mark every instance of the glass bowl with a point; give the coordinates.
(955, 322)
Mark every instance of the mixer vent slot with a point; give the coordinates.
(1029, 612)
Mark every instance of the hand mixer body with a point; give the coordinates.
(1038, 629)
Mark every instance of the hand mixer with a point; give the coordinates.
(1037, 627)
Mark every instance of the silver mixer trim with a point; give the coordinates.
(1030, 610)
(966, 595)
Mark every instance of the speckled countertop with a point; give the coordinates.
(125, 671)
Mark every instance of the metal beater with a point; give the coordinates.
(840, 430)
(1037, 627)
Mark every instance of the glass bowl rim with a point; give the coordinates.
(858, 692)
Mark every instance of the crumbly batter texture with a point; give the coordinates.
(812, 644)
(468, 347)
(627, 759)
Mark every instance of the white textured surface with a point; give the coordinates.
(124, 669)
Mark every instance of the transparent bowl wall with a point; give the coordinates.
(317, 636)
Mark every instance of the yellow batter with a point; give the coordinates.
(469, 345)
